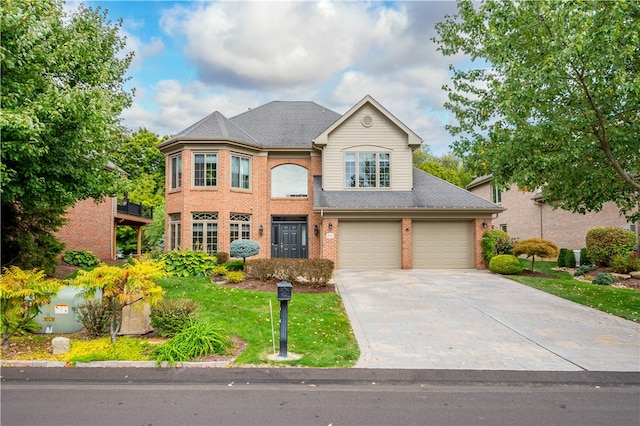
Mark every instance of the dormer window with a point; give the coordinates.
(367, 170)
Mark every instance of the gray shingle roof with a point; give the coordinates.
(215, 126)
(286, 124)
(429, 192)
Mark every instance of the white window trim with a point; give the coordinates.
(245, 157)
(177, 156)
(193, 172)
(357, 170)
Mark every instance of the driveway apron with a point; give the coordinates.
(468, 319)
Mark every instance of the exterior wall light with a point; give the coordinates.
(330, 225)
(315, 229)
(261, 230)
(484, 224)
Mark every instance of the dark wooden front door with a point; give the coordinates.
(289, 240)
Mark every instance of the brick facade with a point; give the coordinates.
(526, 218)
(90, 226)
(256, 201)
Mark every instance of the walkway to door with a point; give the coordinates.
(468, 319)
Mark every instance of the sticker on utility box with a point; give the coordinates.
(61, 309)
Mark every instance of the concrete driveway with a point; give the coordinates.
(468, 319)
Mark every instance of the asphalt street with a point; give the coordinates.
(298, 396)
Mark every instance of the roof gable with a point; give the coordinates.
(413, 139)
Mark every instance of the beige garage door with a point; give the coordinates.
(363, 245)
(442, 245)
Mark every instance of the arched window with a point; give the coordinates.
(289, 181)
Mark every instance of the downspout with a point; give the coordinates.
(541, 222)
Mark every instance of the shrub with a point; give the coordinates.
(605, 241)
(535, 247)
(171, 316)
(583, 269)
(570, 259)
(234, 265)
(489, 241)
(199, 339)
(261, 269)
(562, 258)
(623, 264)
(584, 257)
(505, 264)
(219, 271)
(244, 248)
(95, 316)
(317, 272)
(234, 276)
(313, 271)
(222, 257)
(81, 258)
(604, 279)
(22, 293)
(188, 263)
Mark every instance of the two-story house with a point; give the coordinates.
(306, 182)
(528, 215)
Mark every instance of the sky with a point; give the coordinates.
(196, 57)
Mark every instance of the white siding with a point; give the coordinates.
(381, 136)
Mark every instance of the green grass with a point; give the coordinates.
(621, 302)
(319, 328)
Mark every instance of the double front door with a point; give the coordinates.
(289, 237)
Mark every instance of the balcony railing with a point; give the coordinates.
(135, 209)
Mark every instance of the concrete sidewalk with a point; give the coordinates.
(475, 320)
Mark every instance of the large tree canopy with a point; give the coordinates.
(552, 97)
(62, 93)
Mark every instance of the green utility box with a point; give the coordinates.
(59, 315)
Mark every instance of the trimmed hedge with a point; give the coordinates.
(606, 241)
(492, 240)
(505, 264)
(316, 272)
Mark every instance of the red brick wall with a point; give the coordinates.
(407, 243)
(478, 230)
(256, 201)
(330, 245)
(90, 226)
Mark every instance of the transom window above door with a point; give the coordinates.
(289, 181)
(367, 170)
(205, 169)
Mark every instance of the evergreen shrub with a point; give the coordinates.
(570, 259)
(171, 316)
(606, 241)
(562, 258)
(505, 264)
(584, 257)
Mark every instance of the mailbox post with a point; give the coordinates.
(284, 295)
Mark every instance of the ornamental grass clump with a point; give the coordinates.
(200, 339)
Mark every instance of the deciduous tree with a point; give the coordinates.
(552, 97)
(62, 93)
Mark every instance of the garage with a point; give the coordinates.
(442, 245)
(370, 244)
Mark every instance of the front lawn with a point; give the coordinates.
(319, 328)
(622, 302)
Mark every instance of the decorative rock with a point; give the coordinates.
(136, 319)
(621, 276)
(635, 274)
(60, 345)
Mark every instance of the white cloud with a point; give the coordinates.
(244, 54)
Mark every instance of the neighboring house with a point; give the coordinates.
(92, 226)
(306, 182)
(527, 215)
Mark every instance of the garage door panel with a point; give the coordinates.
(442, 245)
(365, 245)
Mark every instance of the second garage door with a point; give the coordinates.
(364, 245)
(442, 245)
